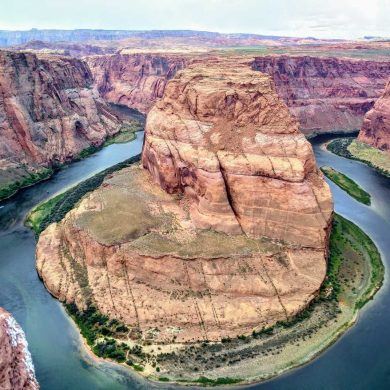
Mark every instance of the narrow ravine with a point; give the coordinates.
(358, 360)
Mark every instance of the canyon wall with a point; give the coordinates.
(16, 367)
(134, 80)
(224, 232)
(376, 124)
(326, 94)
(49, 112)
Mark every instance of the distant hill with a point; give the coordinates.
(11, 38)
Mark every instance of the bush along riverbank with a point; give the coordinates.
(26, 178)
(347, 184)
(355, 150)
(54, 209)
(355, 272)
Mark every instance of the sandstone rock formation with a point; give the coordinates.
(376, 125)
(226, 140)
(225, 232)
(326, 94)
(49, 111)
(137, 80)
(16, 367)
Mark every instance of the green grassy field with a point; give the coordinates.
(347, 184)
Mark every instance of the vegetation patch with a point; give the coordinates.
(55, 209)
(103, 335)
(355, 150)
(127, 133)
(354, 273)
(374, 157)
(23, 177)
(28, 179)
(347, 184)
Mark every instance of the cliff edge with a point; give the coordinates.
(224, 232)
(16, 366)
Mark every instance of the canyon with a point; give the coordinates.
(134, 80)
(53, 107)
(222, 230)
(49, 112)
(324, 94)
(376, 124)
(16, 367)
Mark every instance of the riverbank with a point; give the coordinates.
(355, 273)
(55, 208)
(22, 177)
(355, 150)
(347, 184)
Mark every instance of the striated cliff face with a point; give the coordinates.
(134, 80)
(376, 125)
(16, 367)
(224, 232)
(226, 140)
(49, 111)
(326, 94)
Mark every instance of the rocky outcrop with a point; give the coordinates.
(376, 125)
(224, 232)
(49, 111)
(134, 80)
(16, 367)
(226, 140)
(326, 94)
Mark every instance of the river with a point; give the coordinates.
(359, 360)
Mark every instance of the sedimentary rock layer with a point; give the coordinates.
(226, 140)
(135, 80)
(49, 110)
(225, 232)
(376, 125)
(132, 251)
(326, 94)
(16, 367)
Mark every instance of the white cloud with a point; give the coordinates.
(329, 18)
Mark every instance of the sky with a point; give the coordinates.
(301, 18)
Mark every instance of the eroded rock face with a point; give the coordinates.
(227, 141)
(376, 125)
(326, 94)
(223, 233)
(16, 366)
(134, 80)
(49, 110)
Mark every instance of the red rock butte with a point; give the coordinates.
(225, 139)
(226, 231)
